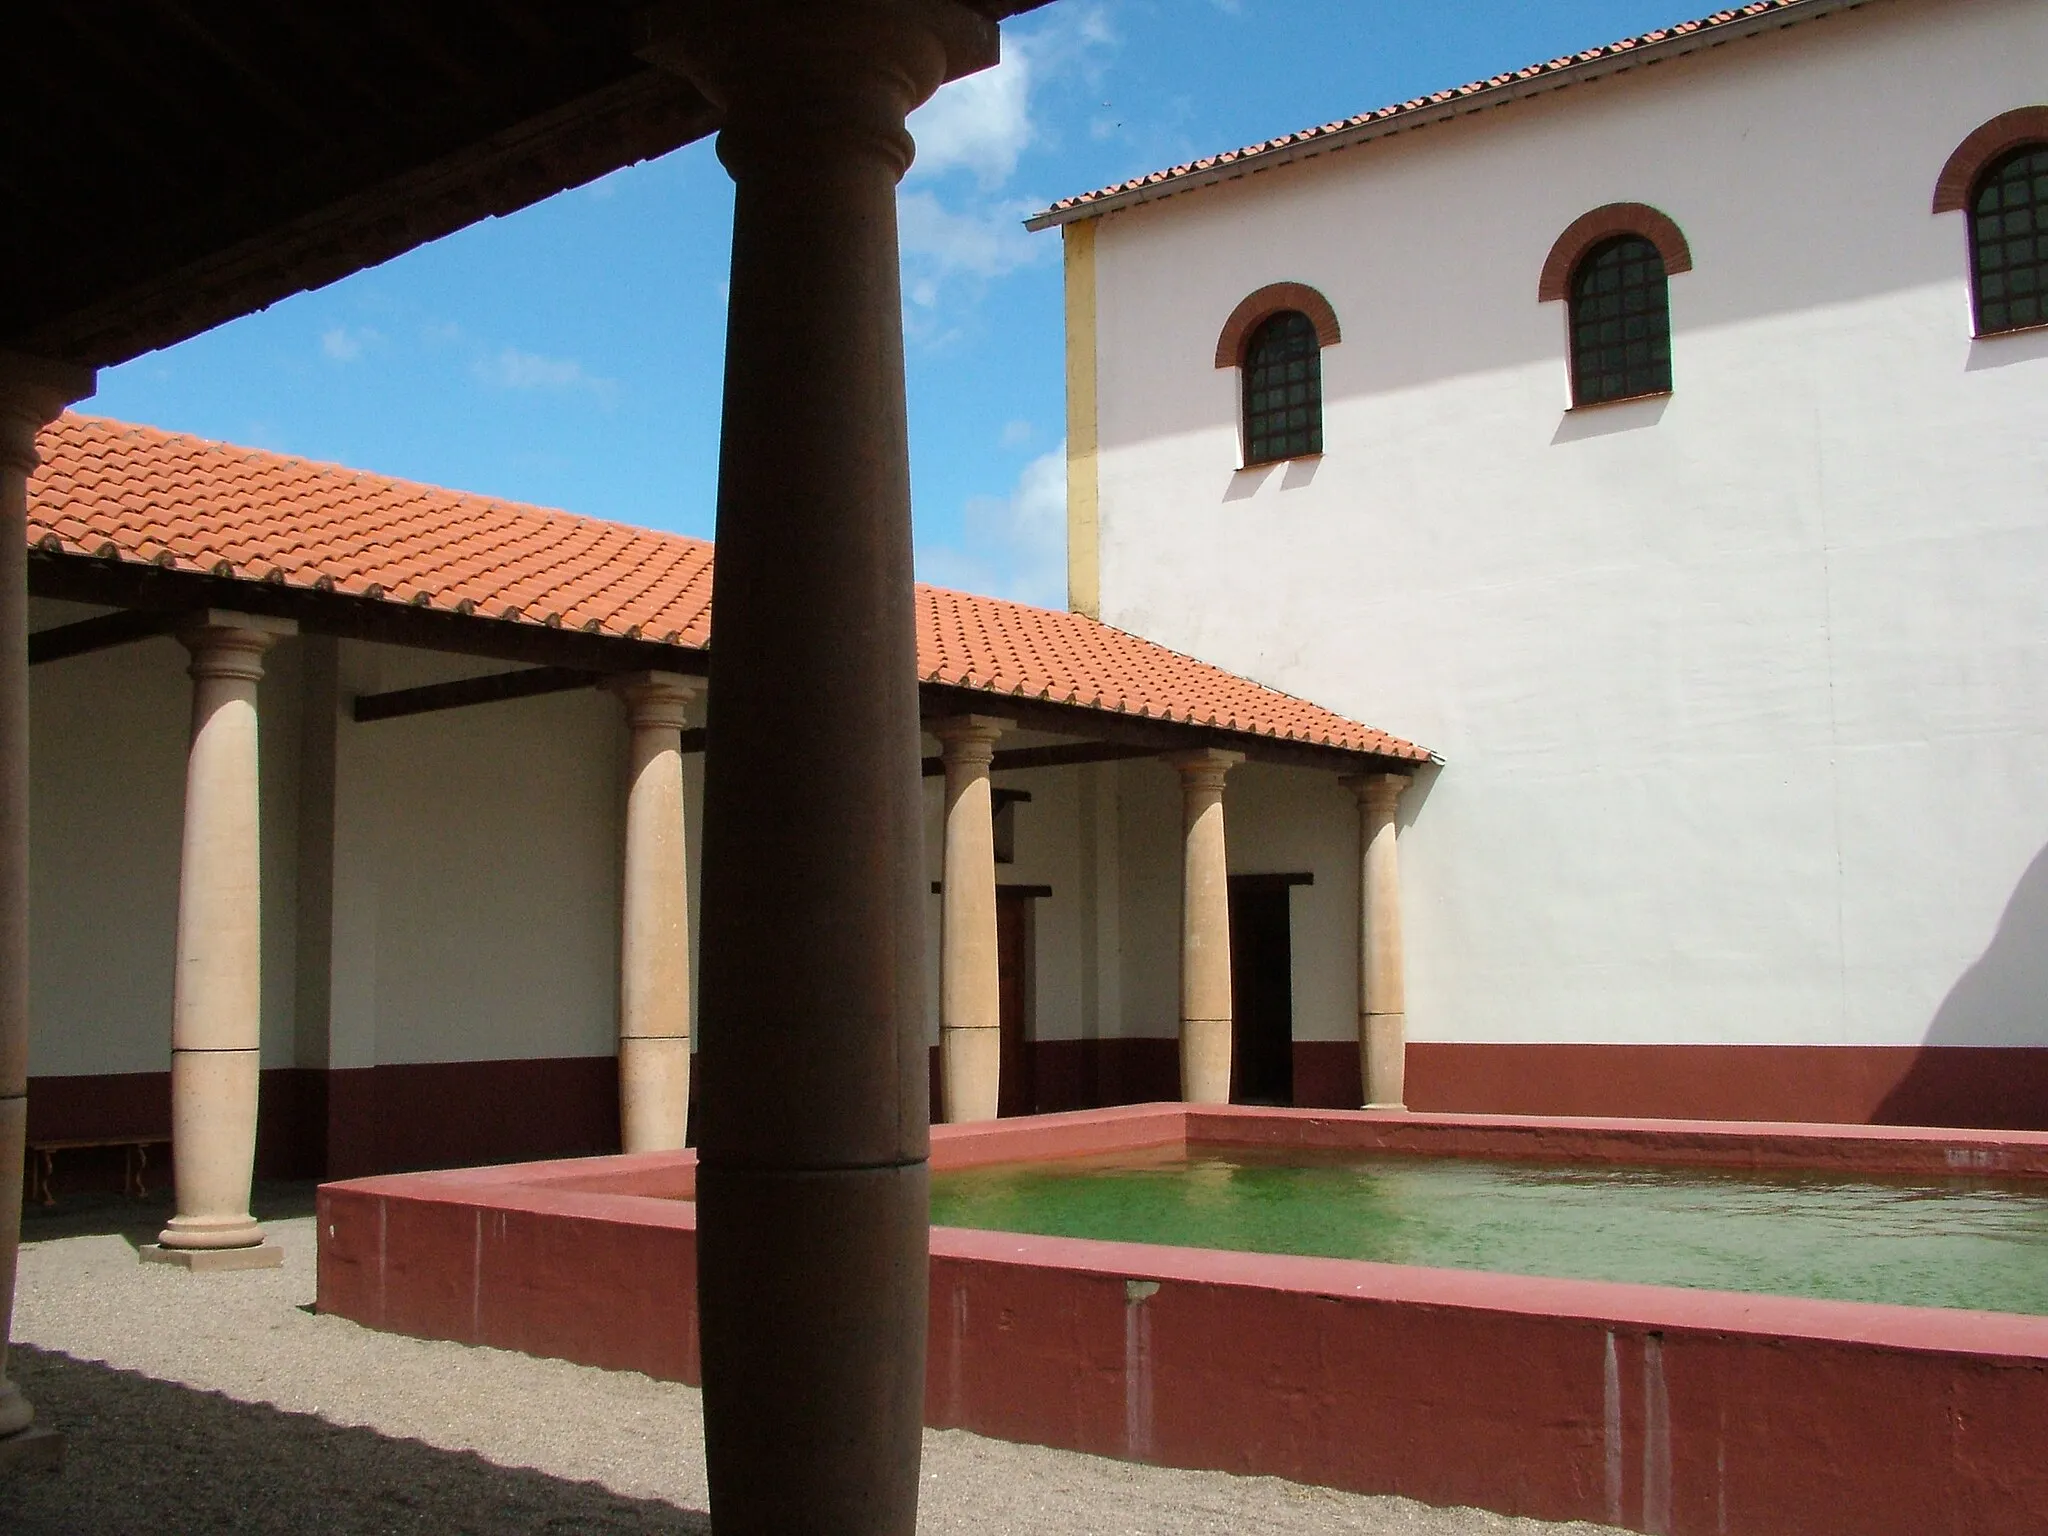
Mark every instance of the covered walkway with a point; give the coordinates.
(404, 778)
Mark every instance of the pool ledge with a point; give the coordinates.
(1659, 1409)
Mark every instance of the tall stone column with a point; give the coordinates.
(32, 392)
(217, 991)
(1382, 1002)
(970, 994)
(814, 1112)
(654, 946)
(1205, 1014)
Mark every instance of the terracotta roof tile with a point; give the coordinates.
(117, 491)
(1706, 31)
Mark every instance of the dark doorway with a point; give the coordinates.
(1261, 990)
(1016, 1093)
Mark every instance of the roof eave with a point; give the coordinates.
(1460, 105)
(125, 583)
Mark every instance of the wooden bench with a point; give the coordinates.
(43, 1161)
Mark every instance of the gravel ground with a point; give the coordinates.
(222, 1403)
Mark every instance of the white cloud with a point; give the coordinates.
(987, 240)
(340, 344)
(514, 369)
(1016, 433)
(983, 122)
(979, 123)
(958, 232)
(1013, 546)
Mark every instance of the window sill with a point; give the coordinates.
(1297, 458)
(2016, 330)
(1601, 405)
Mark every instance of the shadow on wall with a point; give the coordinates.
(2003, 997)
(144, 1454)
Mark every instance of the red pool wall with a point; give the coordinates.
(1686, 1413)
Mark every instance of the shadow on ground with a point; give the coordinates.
(103, 1213)
(152, 1456)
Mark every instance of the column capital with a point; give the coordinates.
(225, 644)
(657, 699)
(1379, 793)
(1204, 766)
(969, 739)
(33, 393)
(783, 70)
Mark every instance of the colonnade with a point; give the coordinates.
(969, 985)
(217, 998)
(217, 986)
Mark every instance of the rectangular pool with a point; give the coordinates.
(1454, 1350)
(1960, 1241)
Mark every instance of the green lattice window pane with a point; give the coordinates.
(1621, 323)
(2009, 242)
(1283, 390)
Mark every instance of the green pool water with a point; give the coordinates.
(1975, 1243)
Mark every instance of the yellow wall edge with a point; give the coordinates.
(1084, 542)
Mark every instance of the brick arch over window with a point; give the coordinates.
(1266, 303)
(1603, 224)
(2007, 131)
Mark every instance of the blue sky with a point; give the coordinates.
(570, 354)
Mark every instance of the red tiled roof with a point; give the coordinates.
(114, 491)
(1685, 36)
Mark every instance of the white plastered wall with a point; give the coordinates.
(476, 872)
(1744, 695)
(1292, 821)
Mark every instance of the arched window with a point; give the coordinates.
(2009, 241)
(1621, 322)
(1283, 389)
(1275, 339)
(1613, 267)
(1998, 179)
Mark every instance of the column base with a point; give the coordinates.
(242, 1231)
(214, 1261)
(1391, 1108)
(1383, 1059)
(34, 1449)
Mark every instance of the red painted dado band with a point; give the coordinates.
(349, 1122)
(1997, 1087)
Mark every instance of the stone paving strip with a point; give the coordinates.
(222, 1402)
